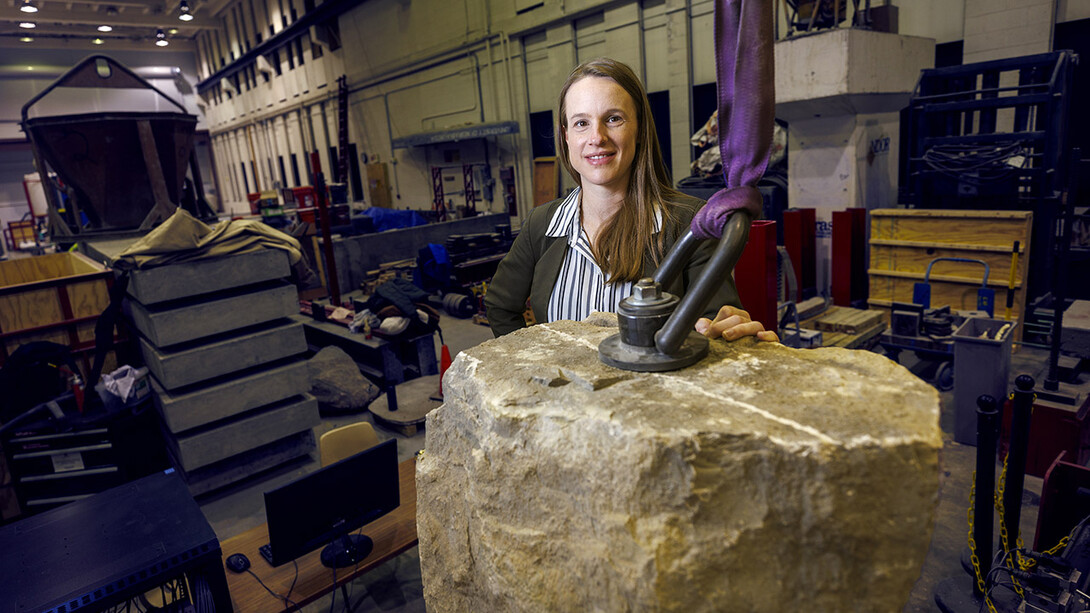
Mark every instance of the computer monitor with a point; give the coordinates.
(323, 507)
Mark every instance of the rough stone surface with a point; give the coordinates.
(760, 479)
(336, 382)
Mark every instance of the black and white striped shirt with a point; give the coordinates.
(581, 287)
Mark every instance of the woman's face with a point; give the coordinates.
(600, 131)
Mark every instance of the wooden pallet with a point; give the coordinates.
(863, 340)
(410, 416)
(846, 320)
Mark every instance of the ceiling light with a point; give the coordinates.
(105, 28)
(184, 12)
(172, 31)
(29, 7)
(161, 38)
(26, 39)
(98, 41)
(29, 25)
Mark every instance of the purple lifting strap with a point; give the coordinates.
(747, 99)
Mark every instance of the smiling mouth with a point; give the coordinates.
(599, 157)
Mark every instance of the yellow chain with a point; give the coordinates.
(972, 548)
(1014, 557)
(1059, 546)
(1003, 534)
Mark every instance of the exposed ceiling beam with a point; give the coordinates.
(84, 43)
(42, 4)
(86, 17)
(45, 30)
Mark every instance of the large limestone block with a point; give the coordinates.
(761, 479)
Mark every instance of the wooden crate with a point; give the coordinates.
(903, 243)
(56, 297)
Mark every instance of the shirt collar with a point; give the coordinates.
(566, 222)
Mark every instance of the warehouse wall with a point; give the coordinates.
(414, 67)
(454, 63)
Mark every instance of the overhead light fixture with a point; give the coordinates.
(29, 25)
(161, 38)
(28, 6)
(105, 28)
(26, 39)
(172, 31)
(184, 12)
(98, 41)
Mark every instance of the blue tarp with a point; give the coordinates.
(392, 219)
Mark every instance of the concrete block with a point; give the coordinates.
(184, 279)
(848, 71)
(192, 363)
(182, 321)
(223, 440)
(203, 405)
(241, 466)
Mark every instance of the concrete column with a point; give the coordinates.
(841, 92)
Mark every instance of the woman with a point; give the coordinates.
(584, 253)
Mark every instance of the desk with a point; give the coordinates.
(393, 534)
(387, 363)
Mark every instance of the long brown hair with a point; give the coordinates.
(629, 234)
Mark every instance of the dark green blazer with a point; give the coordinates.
(531, 268)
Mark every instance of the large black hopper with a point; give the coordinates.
(124, 170)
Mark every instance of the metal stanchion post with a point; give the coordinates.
(1016, 455)
(987, 418)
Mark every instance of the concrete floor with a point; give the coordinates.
(396, 586)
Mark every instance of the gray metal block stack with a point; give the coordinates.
(226, 364)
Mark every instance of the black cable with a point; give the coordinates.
(358, 533)
(975, 163)
(333, 600)
(284, 599)
(293, 580)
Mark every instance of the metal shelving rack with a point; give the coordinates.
(991, 135)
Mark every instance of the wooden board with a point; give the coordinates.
(42, 268)
(55, 298)
(847, 320)
(546, 180)
(378, 185)
(862, 340)
(904, 242)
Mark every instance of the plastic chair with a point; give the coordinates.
(340, 443)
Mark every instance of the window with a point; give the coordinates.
(354, 173)
(705, 102)
(660, 111)
(333, 172)
(542, 143)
